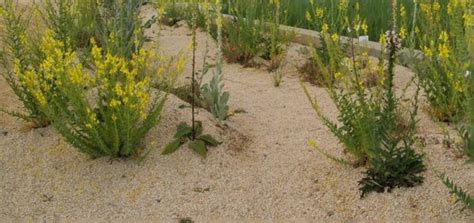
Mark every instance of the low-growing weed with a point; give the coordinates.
(199, 143)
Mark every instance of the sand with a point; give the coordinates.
(265, 168)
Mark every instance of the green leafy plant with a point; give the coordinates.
(213, 94)
(74, 22)
(446, 61)
(184, 133)
(215, 98)
(253, 35)
(394, 166)
(19, 56)
(366, 118)
(120, 28)
(105, 112)
(369, 118)
(172, 14)
(461, 194)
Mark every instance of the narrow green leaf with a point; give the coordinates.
(209, 140)
(172, 147)
(199, 147)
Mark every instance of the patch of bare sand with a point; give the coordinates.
(269, 173)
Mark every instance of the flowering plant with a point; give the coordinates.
(105, 111)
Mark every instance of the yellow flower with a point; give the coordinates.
(325, 28)
(365, 27)
(308, 16)
(436, 6)
(443, 36)
(114, 103)
(443, 51)
(383, 40)
(403, 33)
(428, 52)
(180, 64)
(319, 12)
(403, 11)
(335, 37)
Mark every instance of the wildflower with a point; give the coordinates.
(335, 37)
(394, 39)
(319, 12)
(428, 52)
(114, 103)
(436, 6)
(403, 33)
(444, 36)
(443, 51)
(308, 17)
(403, 11)
(325, 28)
(364, 27)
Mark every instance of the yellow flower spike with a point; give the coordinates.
(436, 6)
(365, 27)
(114, 103)
(444, 36)
(319, 12)
(308, 16)
(428, 52)
(325, 28)
(335, 37)
(383, 40)
(403, 11)
(443, 51)
(403, 32)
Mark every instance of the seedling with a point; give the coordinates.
(184, 133)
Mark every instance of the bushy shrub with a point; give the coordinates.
(105, 111)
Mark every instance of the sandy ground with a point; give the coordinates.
(263, 170)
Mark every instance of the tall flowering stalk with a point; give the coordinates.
(215, 97)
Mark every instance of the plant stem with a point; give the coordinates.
(193, 102)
